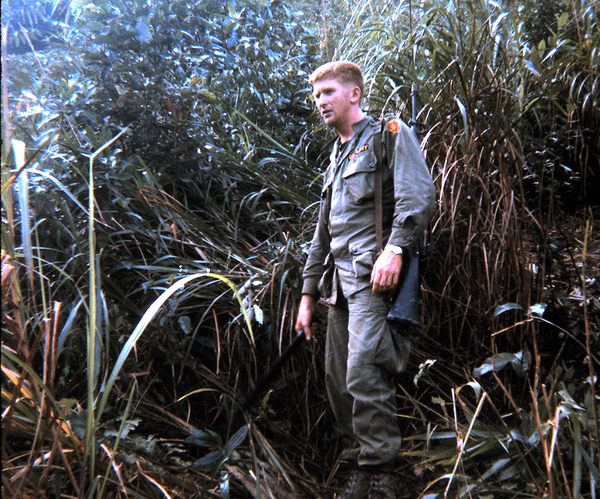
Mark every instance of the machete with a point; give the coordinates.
(267, 378)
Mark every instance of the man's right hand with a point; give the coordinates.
(305, 313)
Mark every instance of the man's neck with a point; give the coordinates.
(346, 132)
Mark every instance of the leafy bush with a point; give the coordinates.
(157, 159)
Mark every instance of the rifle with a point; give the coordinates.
(406, 301)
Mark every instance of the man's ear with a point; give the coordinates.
(355, 94)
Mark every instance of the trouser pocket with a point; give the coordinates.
(393, 350)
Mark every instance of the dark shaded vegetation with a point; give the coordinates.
(170, 142)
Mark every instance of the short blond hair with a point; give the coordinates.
(343, 71)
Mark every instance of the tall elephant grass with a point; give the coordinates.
(499, 107)
(66, 440)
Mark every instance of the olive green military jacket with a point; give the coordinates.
(346, 225)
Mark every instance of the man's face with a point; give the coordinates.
(334, 100)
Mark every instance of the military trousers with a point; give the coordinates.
(363, 354)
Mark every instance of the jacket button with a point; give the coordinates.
(354, 251)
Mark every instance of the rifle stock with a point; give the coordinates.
(406, 306)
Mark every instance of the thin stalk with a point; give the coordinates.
(588, 340)
(5, 112)
(577, 458)
(325, 41)
(91, 330)
(462, 444)
(544, 443)
(117, 439)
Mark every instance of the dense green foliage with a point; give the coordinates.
(171, 142)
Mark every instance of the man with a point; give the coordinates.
(363, 351)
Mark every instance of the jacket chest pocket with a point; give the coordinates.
(359, 178)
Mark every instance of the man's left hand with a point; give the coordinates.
(386, 272)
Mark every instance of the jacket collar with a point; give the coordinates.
(354, 142)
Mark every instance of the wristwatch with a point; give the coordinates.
(397, 250)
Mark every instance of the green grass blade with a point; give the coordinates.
(150, 313)
(23, 198)
(92, 318)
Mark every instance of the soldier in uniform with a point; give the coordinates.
(363, 350)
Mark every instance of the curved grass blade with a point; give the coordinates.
(149, 315)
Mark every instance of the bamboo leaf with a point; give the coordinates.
(237, 439)
(204, 438)
(210, 458)
(67, 328)
(62, 187)
(531, 67)
(506, 307)
(463, 112)
(537, 309)
(519, 361)
(494, 25)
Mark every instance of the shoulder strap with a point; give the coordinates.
(378, 191)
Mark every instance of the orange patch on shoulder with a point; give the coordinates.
(393, 126)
